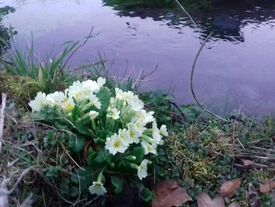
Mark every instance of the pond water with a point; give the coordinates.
(235, 71)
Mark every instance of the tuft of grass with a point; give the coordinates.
(48, 75)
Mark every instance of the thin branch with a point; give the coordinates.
(2, 117)
(63, 147)
(195, 62)
(192, 77)
(23, 174)
(186, 12)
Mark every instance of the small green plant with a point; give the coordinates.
(48, 75)
(21, 89)
(107, 129)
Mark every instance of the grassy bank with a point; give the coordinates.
(201, 153)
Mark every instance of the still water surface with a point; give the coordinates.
(236, 70)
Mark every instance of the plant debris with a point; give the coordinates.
(267, 187)
(169, 193)
(205, 201)
(229, 188)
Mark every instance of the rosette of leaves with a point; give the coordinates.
(110, 135)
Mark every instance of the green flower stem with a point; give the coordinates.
(87, 107)
(124, 111)
(134, 166)
(93, 124)
(100, 175)
(146, 138)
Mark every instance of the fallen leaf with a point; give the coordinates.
(267, 186)
(169, 193)
(205, 201)
(234, 204)
(229, 188)
(247, 163)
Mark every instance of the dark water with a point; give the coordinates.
(235, 71)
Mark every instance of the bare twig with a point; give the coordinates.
(192, 77)
(186, 12)
(195, 62)
(4, 192)
(2, 117)
(23, 174)
(63, 147)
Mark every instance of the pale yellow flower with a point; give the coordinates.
(113, 113)
(134, 134)
(156, 133)
(115, 144)
(39, 102)
(56, 98)
(95, 101)
(149, 148)
(163, 130)
(97, 188)
(124, 136)
(93, 114)
(142, 169)
(68, 105)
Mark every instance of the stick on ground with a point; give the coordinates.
(2, 116)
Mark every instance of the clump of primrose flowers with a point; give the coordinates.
(123, 137)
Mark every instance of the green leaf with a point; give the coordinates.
(139, 153)
(76, 144)
(104, 97)
(76, 113)
(81, 128)
(103, 156)
(53, 172)
(117, 183)
(91, 157)
(146, 194)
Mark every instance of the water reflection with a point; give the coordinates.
(236, 69)
(222, 17)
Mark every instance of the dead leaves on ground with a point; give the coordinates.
(267, 187)
(229, 188)
(169, 194)
(205, 201)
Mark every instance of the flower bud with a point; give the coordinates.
(131, 158)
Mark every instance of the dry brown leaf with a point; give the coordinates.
(267, 186)
(229, 188)
(205, 201)
(247, 163)
(234, 204)
(169, 193)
